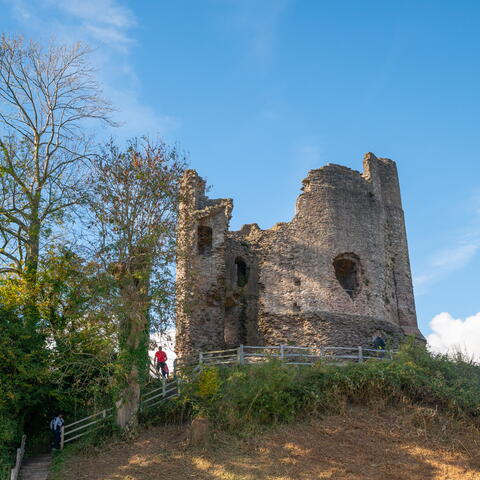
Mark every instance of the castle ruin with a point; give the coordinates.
(334, 275)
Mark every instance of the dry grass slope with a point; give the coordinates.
(408, 443)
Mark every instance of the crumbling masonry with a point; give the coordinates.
(334, 275)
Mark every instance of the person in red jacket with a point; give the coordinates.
(161, 361)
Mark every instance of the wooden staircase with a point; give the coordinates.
(36, 468)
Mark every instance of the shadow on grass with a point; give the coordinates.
(362, 444)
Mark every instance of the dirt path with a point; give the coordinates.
(361, 445)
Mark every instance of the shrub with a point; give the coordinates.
(243, 398)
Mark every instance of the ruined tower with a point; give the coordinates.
(334, 275)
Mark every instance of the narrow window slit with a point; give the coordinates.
(242, 272)
(204, 240)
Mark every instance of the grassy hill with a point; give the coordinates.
(362, 443)
(416, 417)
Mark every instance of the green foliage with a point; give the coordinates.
(261, 395)
(75, 334)
(176, 411)
(208, 382)
(62, 361)
(249, 397)
(22, 369)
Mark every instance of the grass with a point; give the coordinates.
(244, 398)
(436, 397)
(395, 443)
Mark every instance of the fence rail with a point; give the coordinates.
(169, 389)
(292, 355)
(85, 426)
(18, 463)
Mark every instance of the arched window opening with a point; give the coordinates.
(242, 272)
(204, 234)
(347, 268)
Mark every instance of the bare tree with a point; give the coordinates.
(47, 98)
(134, 202)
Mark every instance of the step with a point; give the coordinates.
(36, 468)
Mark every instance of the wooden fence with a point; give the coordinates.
(84, 426)
(246, 354)
(18, 462)
(158, 395)
(74, 431)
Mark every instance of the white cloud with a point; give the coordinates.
(421, 280)
(108, 26)
(447, 260)
(109, 12)
(258, 22)
(105, 20)
(454, 258)
(450, 335)
(444, 262)
(109, 35)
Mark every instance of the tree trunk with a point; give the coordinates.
(128, 404)
(133, 282)
(133, 355)
(31, 269)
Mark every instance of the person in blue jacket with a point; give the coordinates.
(56, 427)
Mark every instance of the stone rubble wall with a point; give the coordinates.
(292, 295)
(200, 302)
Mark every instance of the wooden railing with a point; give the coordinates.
(169, 389)
(291, 355)
(84, 426)
(18, 463)
(87, 425)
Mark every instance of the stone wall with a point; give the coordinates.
(334, 275)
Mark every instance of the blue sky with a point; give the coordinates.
(259, 92)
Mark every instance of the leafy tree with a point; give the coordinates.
(68, 361)
(23, 364)
(82, 332)
(134, 205)
(47, 97)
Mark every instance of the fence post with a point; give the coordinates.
(200, 358)
(282, 352)
(18, 461)
(360, 355)
(240, 355)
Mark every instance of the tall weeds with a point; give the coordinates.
(243, 398)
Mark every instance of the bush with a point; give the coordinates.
(244, 398)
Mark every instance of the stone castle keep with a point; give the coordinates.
(334, 275)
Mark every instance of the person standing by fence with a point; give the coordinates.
(379, 342)
(161, 361)
(56, 427)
